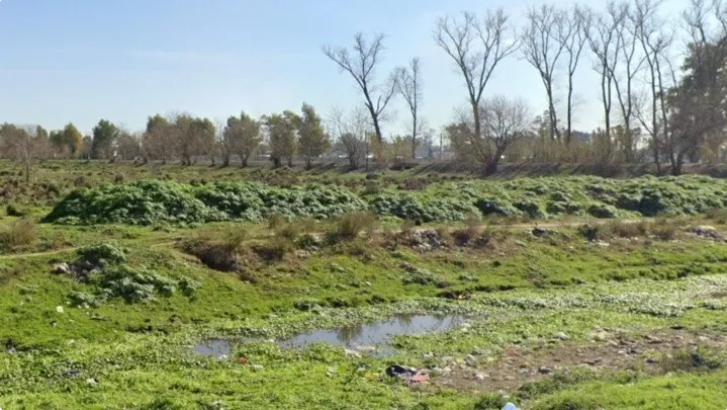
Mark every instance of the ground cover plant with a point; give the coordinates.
(194, 290)
(150, 202)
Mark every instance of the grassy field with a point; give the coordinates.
(568, 292)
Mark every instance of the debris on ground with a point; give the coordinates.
(410, 375)
(708, 232)
(424, 240)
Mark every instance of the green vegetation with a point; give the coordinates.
(151, 202)
(572, 312)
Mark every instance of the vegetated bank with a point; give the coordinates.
(151, 202)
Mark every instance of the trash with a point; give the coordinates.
(61, 268)
(257, 367)
(510, 406)
(413, 376)
(242, 360)
(59, 309)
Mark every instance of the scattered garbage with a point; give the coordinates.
(410, 375)
(510, 406)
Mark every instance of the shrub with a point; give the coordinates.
(690, 361)
(349, 227)
(602, 211)
(718, 215)
(108, 253)
(18, 233)
(274, 250)
(12, 210)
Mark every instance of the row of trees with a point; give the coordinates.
(652, 110)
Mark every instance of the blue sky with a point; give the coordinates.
(83, 60)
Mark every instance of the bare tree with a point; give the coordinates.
(655, 45)
(543, 42)
(158, 141)
(476, 48)
(602, 35)
(410, 86)
(352, 131)
(362, 66)
(574, 40)
(631, 62)
(23, 145)
(506, 121)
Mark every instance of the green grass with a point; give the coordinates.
(518, 291)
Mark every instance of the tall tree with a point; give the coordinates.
(476, 48)
(362, 65)
(631, 62)
(281, 132)
(699, 101)
(542, 48)
(203, 136)
(105, 135)
(68, 141)
(242, 137)
(409, 84)
(655, 44)
(158, 140)
(602, 35)
(574, 40)
(312, 139)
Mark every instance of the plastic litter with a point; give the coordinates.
(510, 406)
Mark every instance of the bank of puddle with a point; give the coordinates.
(366, 338)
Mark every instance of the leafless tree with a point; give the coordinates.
(352, 132)
(409, 85)
(602, 37)
(506, 121)
(476, 48)
(630, 62)
(543, 42)
(655, 44)
(362, 66)
(574, 40)
(24, 145)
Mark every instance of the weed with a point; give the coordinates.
(18, 233)
(349, 227)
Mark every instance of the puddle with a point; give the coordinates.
(361, 337)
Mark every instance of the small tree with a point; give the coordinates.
(367, 55)
(313, 140)
(409, 83)
(203, 136)
(128, 145)
(23, 145)
(281, 131)
(105, 135)
(242, 136)
(352, 132)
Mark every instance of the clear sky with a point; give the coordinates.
(123, 60)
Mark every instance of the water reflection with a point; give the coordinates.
(355, 337)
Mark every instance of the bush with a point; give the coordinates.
(12, 210)
(691, 361)
(18, 233)
(108, 253)
(349, 227)
(274, 250)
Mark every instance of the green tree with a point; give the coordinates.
(281, 130)
(157, 142)
(68, 141)
(312, 140)
(242, 137)
(203, 137)
(105, 135)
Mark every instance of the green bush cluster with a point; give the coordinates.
(112, 278)
(151, 202)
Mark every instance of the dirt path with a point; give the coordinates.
(63, 250)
